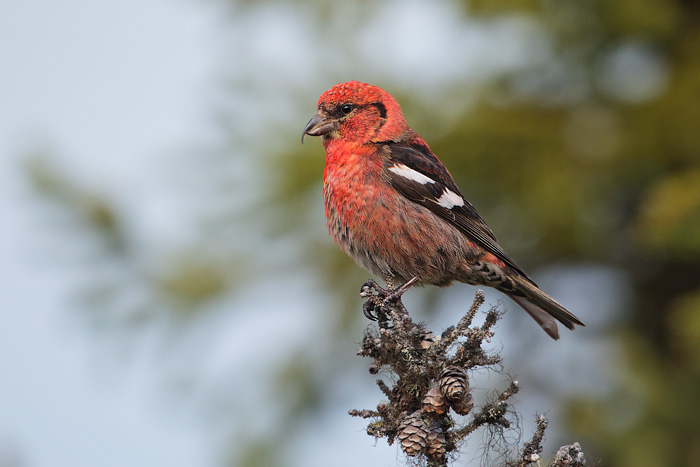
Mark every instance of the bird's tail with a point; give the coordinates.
(543, 308)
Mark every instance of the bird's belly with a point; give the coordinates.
(396, 237)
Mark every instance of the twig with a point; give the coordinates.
(451, 336)
(431, 392)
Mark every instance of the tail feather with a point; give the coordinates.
(543, 318)
(544, 309)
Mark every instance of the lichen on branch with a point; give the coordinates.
(430, 409)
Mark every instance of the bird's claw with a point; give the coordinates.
(372, 286)
(379, 297)
(380, 300)
(376, 299)
(369, 309)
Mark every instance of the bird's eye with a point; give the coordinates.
(346, 108)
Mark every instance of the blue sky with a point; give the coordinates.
(71, 74)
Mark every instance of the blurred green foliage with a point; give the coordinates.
(613, 180)
(94, 210)
(669, 221)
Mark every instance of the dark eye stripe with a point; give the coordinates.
(339, 113)
(381, 108)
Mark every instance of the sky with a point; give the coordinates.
(71, 73)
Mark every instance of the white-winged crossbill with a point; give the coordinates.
(394, 208)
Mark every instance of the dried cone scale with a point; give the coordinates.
(436, 441)
(413, 434)
(464, 405)
(453, 383)
(434, 402)
(454, 386)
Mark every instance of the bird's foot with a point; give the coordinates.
(375, 295)
(396, 294)
(371, 286)
(378, 298)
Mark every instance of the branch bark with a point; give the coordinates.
(430, 409)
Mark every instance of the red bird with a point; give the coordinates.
(393, 207)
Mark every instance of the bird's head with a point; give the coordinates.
(359, 113)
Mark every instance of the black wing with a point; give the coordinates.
(418, 175)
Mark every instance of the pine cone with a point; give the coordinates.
(434, 402)
(453, 383)
(413, 434)
(436, 441)
(464, 405)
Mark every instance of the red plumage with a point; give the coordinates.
(394, 208)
